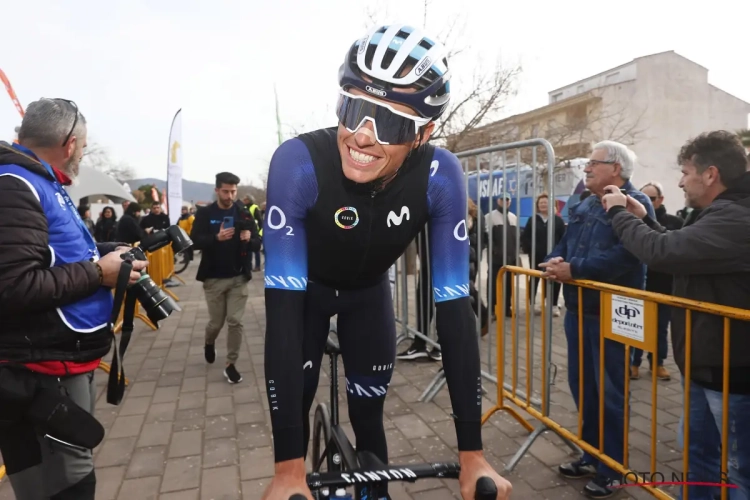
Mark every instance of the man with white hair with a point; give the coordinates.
(591, 250)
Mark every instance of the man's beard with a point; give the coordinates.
(71, 169)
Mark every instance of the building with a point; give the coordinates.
(653, 104)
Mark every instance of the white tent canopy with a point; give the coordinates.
(91, 182)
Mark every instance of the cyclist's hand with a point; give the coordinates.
(290, 479)
(474, 466)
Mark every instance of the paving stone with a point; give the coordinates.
(221, 483)
(181, 473)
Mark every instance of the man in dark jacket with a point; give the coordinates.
(55, 300)
(659, 283)
(227, 234)
(156, 219)
(709, 261)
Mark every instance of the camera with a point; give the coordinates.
(157, 304)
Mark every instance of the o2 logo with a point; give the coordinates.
(281, 222)
(457, 231)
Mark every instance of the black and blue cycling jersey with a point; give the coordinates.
(328, 236)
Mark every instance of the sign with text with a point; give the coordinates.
(629, 321)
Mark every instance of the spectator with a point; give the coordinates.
(709, 260)
(128, 229)
(659, 283)
(225, 268)
(55, 301)
(106, 227)
(504, 242)
(480, 309)
(591, 250)
(186, 223)
(156, 220)
(255, 211)
(85, 213)
(537, 254)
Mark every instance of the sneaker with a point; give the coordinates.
(601, 487)
(556, 311)
(577, 470)
(634, 375)
(232, 375)
(436, 355)
(209, 351)
(662, 373)
(412, 353)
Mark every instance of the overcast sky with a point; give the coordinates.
(131, 65)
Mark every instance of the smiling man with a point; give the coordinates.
(343, 205)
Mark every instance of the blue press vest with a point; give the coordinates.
(67, 244)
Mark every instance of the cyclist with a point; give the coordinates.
(343, 205)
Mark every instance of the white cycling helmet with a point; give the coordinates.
(400, 57)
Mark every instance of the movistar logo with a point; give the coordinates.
(397, 219)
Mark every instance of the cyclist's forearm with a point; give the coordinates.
(283, 370)
(456, 324)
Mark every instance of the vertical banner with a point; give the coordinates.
(278, 117)
(11, 93)
(174, 170)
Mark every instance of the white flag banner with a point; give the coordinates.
(174, 170)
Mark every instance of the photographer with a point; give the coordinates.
(227, 235)
(55, 301)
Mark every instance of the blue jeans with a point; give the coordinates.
(614, 388)
(705, 443)
(662, 327)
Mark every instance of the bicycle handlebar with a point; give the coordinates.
(485, 488)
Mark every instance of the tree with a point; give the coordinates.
(489, 91)
(97, 158)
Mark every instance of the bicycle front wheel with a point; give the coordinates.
(325, 456)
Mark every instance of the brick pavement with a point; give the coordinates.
(182, 432)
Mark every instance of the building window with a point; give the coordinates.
(557, 97)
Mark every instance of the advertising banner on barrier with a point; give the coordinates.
(174, 169)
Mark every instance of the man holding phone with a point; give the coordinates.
(227, 236)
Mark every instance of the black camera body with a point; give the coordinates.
(157, 304)
(246, 221)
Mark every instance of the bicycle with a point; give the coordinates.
(363, 471)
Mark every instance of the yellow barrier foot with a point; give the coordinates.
(170, 293)
(513, 413)
(178, 279)
(2, 472)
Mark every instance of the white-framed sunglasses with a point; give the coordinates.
(391, 126)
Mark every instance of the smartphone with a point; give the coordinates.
(624, 191)
(228, 222)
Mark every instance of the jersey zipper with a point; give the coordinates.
(369, 234)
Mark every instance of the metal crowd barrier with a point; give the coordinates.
(640, 331)
(528, 170)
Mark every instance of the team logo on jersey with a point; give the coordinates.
(346, 217)
(398, 219)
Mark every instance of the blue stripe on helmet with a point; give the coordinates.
(376, 38)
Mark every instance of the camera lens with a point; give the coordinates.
(157, 304)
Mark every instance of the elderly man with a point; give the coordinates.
(591, 250)
(709, 260)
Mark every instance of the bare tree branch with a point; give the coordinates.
(96, 157)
